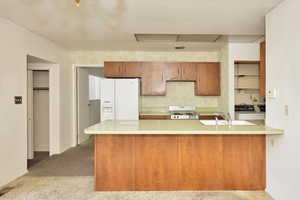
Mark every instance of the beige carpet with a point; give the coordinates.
(69, 176)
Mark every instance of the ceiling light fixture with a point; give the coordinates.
(77, 2)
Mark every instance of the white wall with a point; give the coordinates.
(224, 59)
(239, 51)
(16, 43)
(283, 73)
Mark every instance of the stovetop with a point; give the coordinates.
(183, 112)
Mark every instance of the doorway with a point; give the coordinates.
(87, 99)
(43, 129)
(38, 107)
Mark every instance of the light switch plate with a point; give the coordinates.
(286, 110)
(18, 99)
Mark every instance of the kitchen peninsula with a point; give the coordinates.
(142, 155)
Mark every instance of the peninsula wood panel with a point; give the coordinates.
(244, 162)
(156, 162)
(201, 162)
(114, 162)
(180, 162)
(262, 70)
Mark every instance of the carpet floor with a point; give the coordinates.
(69, 176)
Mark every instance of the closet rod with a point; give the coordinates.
(41, 88)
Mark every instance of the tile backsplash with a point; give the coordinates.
(179, 93)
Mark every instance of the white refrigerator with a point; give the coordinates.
(119, 99)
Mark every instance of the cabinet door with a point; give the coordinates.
(153, 79)
(188, 71)
(262, 70)
(113, 69)
(173, 71)
(132, 69)
(208, 79)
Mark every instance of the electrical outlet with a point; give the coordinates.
(272, 93)
(18, 99)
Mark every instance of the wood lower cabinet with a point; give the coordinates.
(180, 162)
(153, 79)
(208, 79)
(262, 70)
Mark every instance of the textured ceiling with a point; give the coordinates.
(111, 24)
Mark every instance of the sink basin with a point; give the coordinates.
(224, 123)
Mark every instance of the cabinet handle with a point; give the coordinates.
(162, 76)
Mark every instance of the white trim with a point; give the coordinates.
(54, 104)
(74, 101)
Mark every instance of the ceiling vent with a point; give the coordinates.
(176, 37)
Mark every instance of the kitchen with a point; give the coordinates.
(212, 112)
(171, 136)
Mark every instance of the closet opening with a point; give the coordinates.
(43, 110)
(38, 116)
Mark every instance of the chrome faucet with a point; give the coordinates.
(217, 120)
(227, 118)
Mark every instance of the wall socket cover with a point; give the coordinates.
(272, 93)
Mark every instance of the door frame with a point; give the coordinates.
(74, 101)
(54, 104)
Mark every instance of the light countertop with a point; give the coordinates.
(175, 127)
(203, 113)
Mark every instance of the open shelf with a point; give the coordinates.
(243, 75)
(246, 88)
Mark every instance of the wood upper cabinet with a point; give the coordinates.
(262, 70)
(153, 79)
(173, 71)
(181, 71)
(154, 75)
(188, 71)
(132, 69)
(122, 69)
(113, 69)
(208, 79)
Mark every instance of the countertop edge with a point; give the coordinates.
(184, 133)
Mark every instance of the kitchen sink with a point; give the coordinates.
(225, 123)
